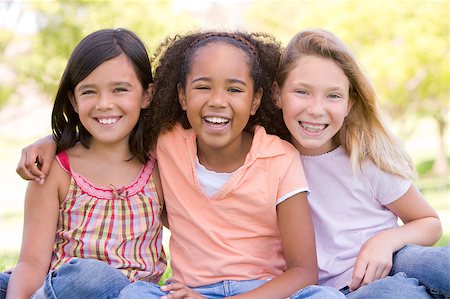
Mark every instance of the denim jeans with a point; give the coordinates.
(4, 278)
(139, 290)
(417, 272)
(80, 278)
(429, 265)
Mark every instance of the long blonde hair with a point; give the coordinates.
(363, 133)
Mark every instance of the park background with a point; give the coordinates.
(404, 47)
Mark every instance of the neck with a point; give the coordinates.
(225, 160)
(111, 153)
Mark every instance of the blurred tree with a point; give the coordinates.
(6, 36)
(404, 44)
(62, 24)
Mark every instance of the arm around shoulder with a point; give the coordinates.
(36, 159)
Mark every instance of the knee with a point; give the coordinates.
(397, 286)
(89, 273)
(415, 258)
(141, 289)
(322, 292)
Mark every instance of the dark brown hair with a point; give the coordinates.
(92, 51)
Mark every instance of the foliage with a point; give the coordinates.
(8, 260)
(404, 44)
(5, 93)
(63, 24)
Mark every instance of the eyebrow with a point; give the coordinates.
(209, 79)
(110, 84)
(337, 87)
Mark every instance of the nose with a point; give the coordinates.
(104, 102)
(217, 99)
(315, 107)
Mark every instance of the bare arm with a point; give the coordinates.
(36, 159)
(421, 226)
(297, 236)
(40, 221)
(160, 192)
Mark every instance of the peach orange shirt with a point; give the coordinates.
(232, 235)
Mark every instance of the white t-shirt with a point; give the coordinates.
(347, 210)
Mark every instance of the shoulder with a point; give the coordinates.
(272, 145)
(55, 184)
(175, 139)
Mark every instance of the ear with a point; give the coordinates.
(276, 93)
(256, 101)
(73, 101)
(181, 96)
(148, 95)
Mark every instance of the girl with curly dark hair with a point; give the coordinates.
(235, 195)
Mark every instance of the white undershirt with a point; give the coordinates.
(209, 180)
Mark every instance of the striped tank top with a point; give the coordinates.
(118, 226)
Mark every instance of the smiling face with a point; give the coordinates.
(219, 97)
(315, 101)
(109, 100)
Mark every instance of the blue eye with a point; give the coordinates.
(334, 96)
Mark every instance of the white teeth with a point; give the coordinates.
(216, 120)
(312, 127)
(107, 121)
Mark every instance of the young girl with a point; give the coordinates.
(359, 177)
(235, 195)
(102, 195)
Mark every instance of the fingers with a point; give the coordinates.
(358, 275)
(179, 291)
(32, 166)
(44, 163)
(365, 273)
(28, 168)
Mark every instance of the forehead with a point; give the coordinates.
(114, 69)
(318, 67)
(218, 48)
(220, 55)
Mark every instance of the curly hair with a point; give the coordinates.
(173, 61)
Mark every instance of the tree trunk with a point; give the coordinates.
(440, 166)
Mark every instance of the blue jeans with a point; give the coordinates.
(80, 278)
(224, 289)
(4, 278)
(398, 286)
(417, 272)
(429, 265)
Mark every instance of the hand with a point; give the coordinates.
(181, 291)
(374, 262)
(36, 159)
